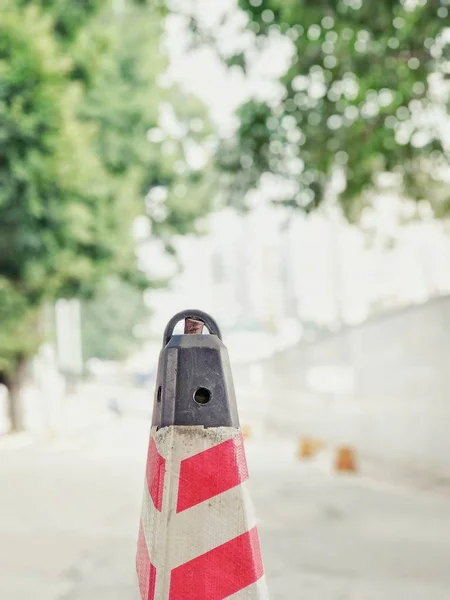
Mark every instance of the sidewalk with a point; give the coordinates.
(69, 512)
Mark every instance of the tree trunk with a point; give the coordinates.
(15, 404)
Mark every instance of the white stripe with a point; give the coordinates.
(256, 591)
(172, 451)
(190, 440)
(151, 525)
(209, 524)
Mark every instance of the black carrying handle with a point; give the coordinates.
(197, 315)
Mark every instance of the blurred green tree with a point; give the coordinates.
(108, 320)
(365, 93)
(78, 96)
(143, 159)
(138, 154)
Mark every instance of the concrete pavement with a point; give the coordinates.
(69, 512)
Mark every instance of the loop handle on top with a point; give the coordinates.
(197, 315)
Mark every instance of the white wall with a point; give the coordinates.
(383, 386)
(269, 266)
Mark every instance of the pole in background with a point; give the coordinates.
(68, 336)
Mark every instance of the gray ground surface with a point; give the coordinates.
(69, 512)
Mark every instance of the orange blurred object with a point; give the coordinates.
(308, 447)
(246, 432)
(346, 460)
(305, 448)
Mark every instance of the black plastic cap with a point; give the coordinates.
(194, 384)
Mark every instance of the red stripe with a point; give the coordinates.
(221, 572)
(145, 570)
(156, 468)
(211, 472)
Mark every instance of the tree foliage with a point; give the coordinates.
(138, 154)
(365, 92)
(109, 321)
(53, 189)
(79, 94)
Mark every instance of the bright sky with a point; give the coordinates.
(202, 73)
(330, 260)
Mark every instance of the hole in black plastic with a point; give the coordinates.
(158, 395)
(202, 396)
